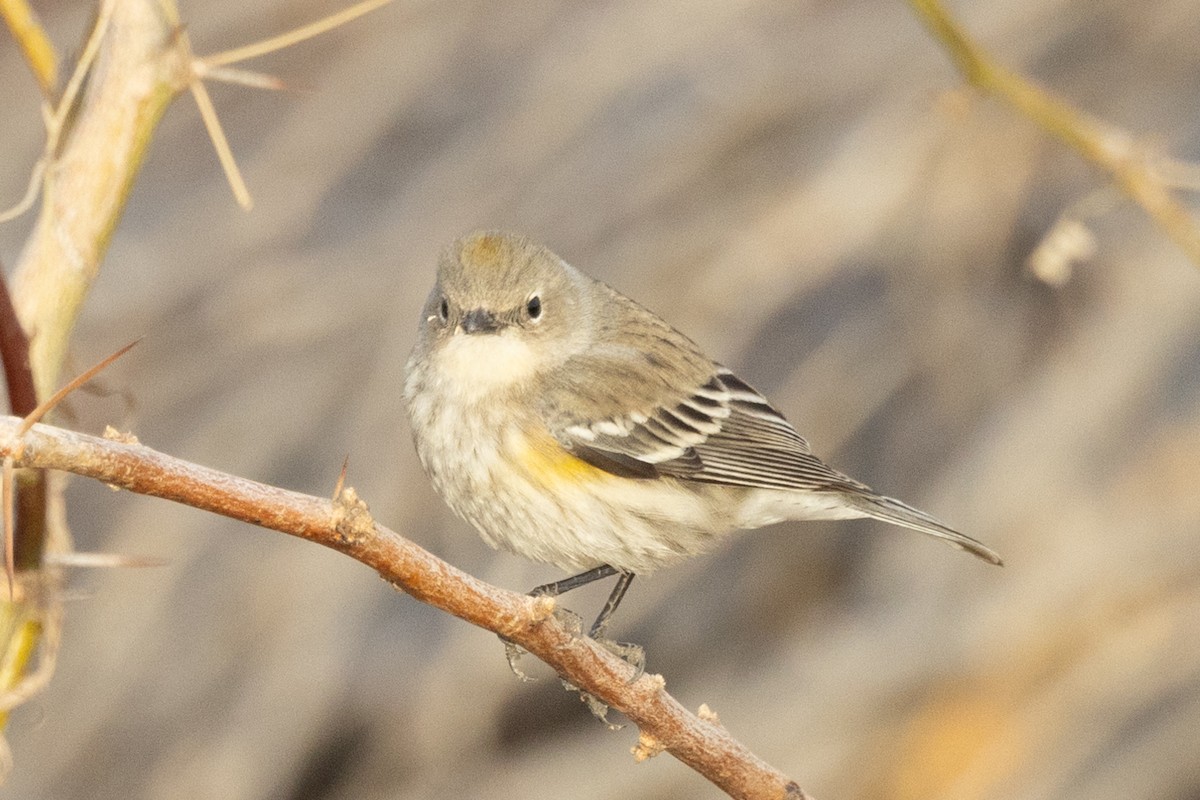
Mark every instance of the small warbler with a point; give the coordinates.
(572, 426)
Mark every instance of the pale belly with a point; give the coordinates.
(524, 493)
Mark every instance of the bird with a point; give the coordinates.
(572, 426)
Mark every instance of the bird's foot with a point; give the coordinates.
(513, 651)
(632, 654)
(595, 705)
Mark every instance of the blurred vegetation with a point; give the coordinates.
(808, 191)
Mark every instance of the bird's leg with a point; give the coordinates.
(574, 582)
(632, 654)
(614, 600)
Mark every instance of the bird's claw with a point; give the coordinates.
(513, 652)
(595, 705)
(632, 654)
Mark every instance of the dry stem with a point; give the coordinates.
(1114, 151)
(136, 73)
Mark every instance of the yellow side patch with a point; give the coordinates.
(546, 462)
(483, 250)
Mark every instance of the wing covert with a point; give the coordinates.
(723, 432)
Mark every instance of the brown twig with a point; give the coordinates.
(25, 518)
(346, 526)
(14, 352)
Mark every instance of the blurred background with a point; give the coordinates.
(805, 189)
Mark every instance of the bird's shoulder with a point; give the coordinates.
(635, 363)
(644, 401)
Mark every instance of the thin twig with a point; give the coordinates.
(32, 187)
(293, 36)
(215, 66)
(33, 507)
(55, 118)
(346, 526)
(1109, 148)
(34, 43)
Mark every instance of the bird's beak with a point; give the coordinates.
(480, 320)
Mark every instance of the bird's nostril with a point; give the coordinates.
(479, 320)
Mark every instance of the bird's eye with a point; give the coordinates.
(533, 307)
(444, 310)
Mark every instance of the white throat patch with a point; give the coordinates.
(486, 362)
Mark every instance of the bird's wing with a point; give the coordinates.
(723, 431)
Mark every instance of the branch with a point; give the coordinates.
(29, 531)
(345, 525)
(34, 43)
(95, 148)
(1135, 171)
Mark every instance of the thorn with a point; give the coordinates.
(293, 36)
(242, 77)
(341, 481)
(34, 416)
(216, 134)
(104, 560)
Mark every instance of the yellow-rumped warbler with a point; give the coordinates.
(574, 427)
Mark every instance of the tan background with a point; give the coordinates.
(797, 185)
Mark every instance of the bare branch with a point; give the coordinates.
(1133, 169)
(345, 525)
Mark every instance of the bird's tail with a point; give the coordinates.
(897, 513)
